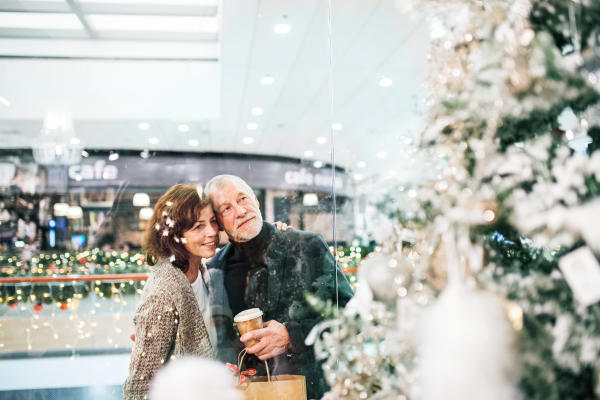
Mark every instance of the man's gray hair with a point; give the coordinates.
(220, 181)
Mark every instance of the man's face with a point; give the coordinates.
(237, 212)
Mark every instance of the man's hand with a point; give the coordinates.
(282, 226)
(274, 340)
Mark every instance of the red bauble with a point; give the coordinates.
(14, 305)
(38, 307)
(64, 306)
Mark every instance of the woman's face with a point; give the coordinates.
(201, 238)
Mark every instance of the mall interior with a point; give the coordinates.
(446, 160)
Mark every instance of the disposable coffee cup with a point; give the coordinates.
(247, 321)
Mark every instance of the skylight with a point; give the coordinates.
(39, 21)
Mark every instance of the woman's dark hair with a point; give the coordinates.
(175, 212)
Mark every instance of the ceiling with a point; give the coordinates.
(119, 63)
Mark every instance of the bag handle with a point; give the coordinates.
(241, 359)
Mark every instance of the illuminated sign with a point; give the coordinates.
(100, 170)
(305, 178)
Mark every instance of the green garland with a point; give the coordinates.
(97, 262)
(532, 279)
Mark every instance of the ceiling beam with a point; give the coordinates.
(74, 4)
(201, 9)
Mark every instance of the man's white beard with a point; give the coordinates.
(251, 231)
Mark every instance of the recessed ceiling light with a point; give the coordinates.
(144, 126)
(267, 80)
(336, 127)
(184, 128)
(193, 143)
(318, 164)
(113, 156)
(308, 153)
(252, 126)
(4, 101)
(248, 140)
(386, 82)
(282, 28)
(257, 111)
(153, 140)
(75, 140)
(362, 164)
(321, 140)
(382, 154)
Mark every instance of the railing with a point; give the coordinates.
(59, 303)
(75, 278)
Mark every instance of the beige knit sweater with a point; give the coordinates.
(168, 325)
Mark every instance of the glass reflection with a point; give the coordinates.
(105, 106)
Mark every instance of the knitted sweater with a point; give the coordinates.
(168, 325)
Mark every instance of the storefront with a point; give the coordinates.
(107, 199)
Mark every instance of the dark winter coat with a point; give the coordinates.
(298, 262)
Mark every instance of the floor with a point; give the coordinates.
(91, 377)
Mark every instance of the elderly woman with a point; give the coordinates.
(173, 318)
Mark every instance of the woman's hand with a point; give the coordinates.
(282, 226)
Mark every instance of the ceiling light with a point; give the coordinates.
(74, 140)
(4, 101)
(146, 213)
(257, 111)
(252, 126)
(382, 154)
(321, 140)
(386, 82)
(310, 199)
(267, 80)
(248, 140)
(193, 142)
(113, 156)
(336, 127)
(362, 164)
(308, 153)
(282, 28)
(144, 126)
(319, 164)
(184, 128)
(153, 140)
(141, 200)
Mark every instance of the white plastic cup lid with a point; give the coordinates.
(247, 315)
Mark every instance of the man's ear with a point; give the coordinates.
(257, 202)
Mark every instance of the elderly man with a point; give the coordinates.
(264, 268)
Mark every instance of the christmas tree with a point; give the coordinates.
(506, 238)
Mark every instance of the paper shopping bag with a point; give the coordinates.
(281, 387)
